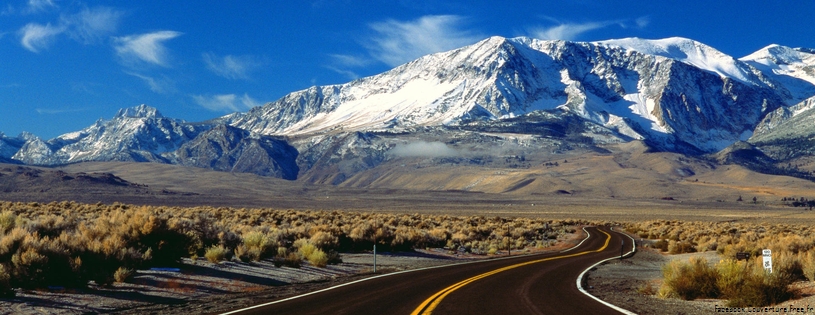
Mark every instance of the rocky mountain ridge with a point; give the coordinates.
(674, 94)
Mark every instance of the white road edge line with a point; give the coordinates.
(386, 275)
(580, 279)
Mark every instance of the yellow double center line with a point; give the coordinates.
(427, 307)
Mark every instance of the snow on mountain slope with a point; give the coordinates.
(135, 134)
(671, 91)
(676, 94)
(442, 88)
(690, 52)
(9, 146)
(794, 68)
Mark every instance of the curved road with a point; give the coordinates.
(534, 284)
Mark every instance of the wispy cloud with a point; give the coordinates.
(348, 73)
(397, 42)
(232, 67)
(147, 48)
(423, 149)
(35, 6)
(158, 85)
(90, 25)
(642, 21)
(60, 111)
(567, 31)
(226, 102)
(36, 37)
(87, 26)
(573, 31)
(350, 61)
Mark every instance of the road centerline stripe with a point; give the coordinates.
(430, 304)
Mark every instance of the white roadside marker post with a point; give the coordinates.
(767, 255)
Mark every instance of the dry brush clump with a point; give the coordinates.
(69, 244)
(742, 283)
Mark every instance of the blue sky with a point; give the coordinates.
(66, 63)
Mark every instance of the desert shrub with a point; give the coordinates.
(334, 257)
(217, 253)
(680, 247)
(67, 243)
(759, 288)
(292, 260)
(742, 283)
(808, 264)
(662, 245)
(318, 258)
(7, 221)
(695, 279)
(256, 246)
(123, 274)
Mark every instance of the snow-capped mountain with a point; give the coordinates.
(135, 134)
(9, 146)
(793, 68)
(676, 92)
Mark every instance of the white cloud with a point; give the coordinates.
(59, 111)
(40, 5)
(350, 61)
(348, 73)
(35, 37)
(161, 86)
(398, 42)
(231, 67)
(642, 21)
(89, 25)
(226, 102)
(423, 149)
(568, 31)
(572, 31)
(145, 47)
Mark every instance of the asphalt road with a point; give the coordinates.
(535, 284)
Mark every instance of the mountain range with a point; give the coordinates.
(500, 99)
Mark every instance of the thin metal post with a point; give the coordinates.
(374, 257)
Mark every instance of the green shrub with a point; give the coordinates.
(217, 253)
(318, 258)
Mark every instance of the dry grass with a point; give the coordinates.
(743, 283)
(69, 244)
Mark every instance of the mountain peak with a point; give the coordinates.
(690, 52)
(141, 111)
